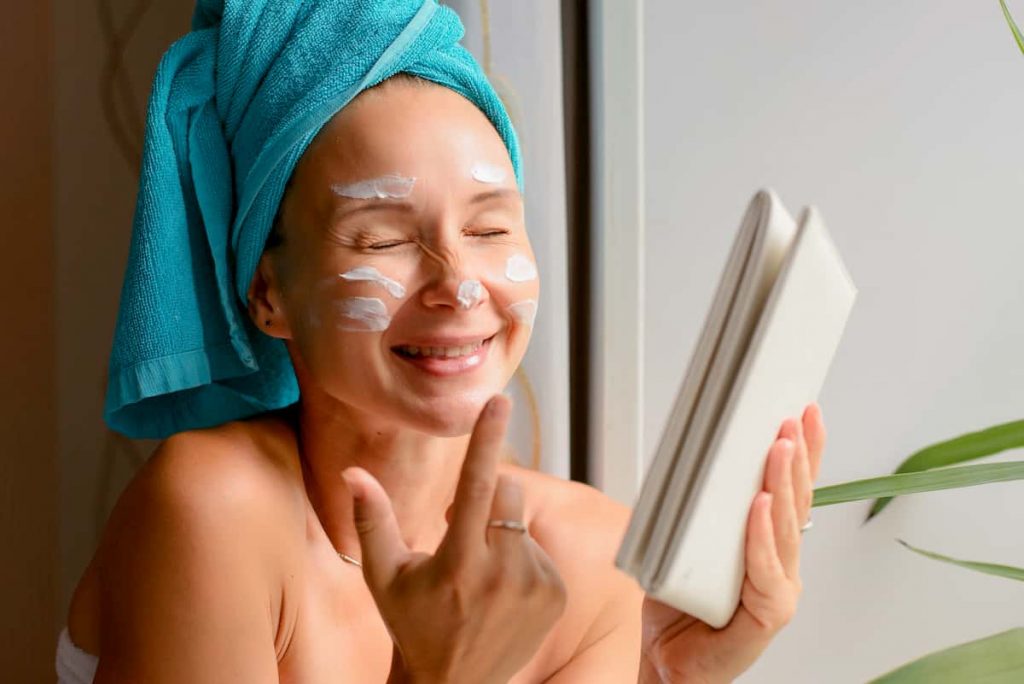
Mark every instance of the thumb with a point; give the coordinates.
(379, 537)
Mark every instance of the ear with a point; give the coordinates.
(266, 301)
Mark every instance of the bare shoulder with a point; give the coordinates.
(238, 473)
(203, 528)
(581, 529)
(573, 519)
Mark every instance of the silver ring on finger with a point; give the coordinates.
(807, 525)
(514, 525)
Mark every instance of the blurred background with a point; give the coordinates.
(900, 121)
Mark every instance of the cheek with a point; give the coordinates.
(359, 297)
(338, 324)
(524, 312)
(517, 288)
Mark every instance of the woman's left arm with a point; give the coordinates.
(680, 648)
(675, 647)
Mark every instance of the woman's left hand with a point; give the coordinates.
(680, 648)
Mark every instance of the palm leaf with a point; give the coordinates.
(911, 483)
(967, 447)
(1013, 26)
(989, 568)
(996, 659)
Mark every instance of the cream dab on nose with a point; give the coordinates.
(469, 294)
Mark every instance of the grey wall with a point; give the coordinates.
(903, 123)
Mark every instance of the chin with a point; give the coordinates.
(451, 416)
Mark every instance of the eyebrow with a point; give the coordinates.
(497, 193)
(345, 211)
(368, 205)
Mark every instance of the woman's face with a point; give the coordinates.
(405, 282)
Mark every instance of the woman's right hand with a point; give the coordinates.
(478, 609)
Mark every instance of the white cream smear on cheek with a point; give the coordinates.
(519, 269)
(372, 275)
(363, 314)
(391, 186)
(488, 173)
(469, 293)
(525, 311)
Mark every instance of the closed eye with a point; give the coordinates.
(489, 232)
(389, 244)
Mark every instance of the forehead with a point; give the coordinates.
(412, 129)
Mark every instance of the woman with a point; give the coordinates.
(332, 505)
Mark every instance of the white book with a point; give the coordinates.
(773, 328)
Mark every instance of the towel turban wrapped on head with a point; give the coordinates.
(234, 105)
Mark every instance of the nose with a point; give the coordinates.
(451, 284)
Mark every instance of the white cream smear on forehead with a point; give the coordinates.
(372, 275)
(363, 314)
(524, 311)
(469, 293)
(519, 269)
(391, 186)
(488, 173)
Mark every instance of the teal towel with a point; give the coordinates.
(234, 105)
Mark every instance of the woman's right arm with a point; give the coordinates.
(190, 590)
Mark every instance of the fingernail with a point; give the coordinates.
(496, 406)
(354, 486)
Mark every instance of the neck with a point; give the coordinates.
(418, 471)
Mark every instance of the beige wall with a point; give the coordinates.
(28, 476)
(67, 199)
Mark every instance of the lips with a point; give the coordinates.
(440, 357)
(439, 352)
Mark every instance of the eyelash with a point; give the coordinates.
(390, 244)
(380, 246)
(491, 232)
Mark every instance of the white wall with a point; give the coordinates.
(902, 121)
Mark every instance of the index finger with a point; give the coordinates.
(479, 476)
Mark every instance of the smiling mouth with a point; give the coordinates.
(448, 361)
(447, 352)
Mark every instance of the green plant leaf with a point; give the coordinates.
(1013, 26)
(967, 447)
(989, 568)
(911, 483)
(994, 660)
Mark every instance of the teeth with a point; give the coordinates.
(442, 352)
